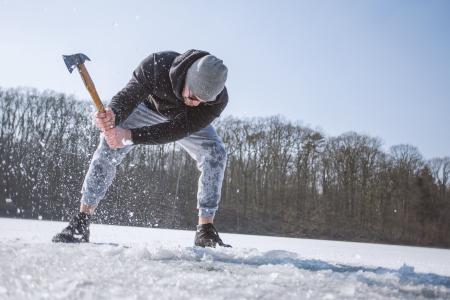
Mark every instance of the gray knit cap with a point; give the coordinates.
(206, 77)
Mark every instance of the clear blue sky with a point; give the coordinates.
(378, 67)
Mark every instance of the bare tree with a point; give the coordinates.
(281, 178)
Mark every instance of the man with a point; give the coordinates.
(170, 97)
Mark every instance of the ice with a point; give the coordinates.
(145, 263)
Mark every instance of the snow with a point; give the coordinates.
(127, 142)
(148, 263)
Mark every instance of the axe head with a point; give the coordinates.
(72, 61)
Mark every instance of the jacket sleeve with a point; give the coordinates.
(136, 91)
(184, 124)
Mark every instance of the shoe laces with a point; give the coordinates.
(80, 222)
(210, 232)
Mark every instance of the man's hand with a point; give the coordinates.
(105, 121)
(118, 137)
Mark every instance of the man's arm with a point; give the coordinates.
(180, 127)
(137, 90)
(190, 121)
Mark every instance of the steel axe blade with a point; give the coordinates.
(72, 61)
(77, 61)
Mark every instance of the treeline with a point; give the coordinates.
(281, 179)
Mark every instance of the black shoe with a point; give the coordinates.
(76, 232)
(207, 236)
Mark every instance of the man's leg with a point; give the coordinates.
(101, 173)
(207, 149)
(105, 160)
(99, 177)
(209, 152)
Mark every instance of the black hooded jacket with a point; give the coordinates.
(158, 82)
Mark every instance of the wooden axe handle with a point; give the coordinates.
(90, 87)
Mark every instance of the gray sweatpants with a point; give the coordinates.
(204, 146)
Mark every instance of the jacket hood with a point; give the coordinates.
(179, 69)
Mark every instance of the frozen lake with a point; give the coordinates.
(147, 263)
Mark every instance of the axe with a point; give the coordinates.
(77, 61)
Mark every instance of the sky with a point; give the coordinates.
(376, 67)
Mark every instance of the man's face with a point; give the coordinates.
(189, 98)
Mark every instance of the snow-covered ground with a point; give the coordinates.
(144, 263)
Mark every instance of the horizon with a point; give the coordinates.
(284, 118)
